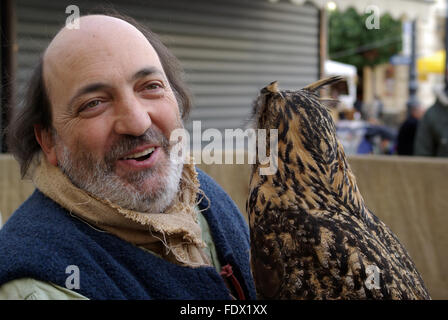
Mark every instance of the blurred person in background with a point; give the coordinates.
(432, 132)
(407, 131)
(375, 112)
(358, 106)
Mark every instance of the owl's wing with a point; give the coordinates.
(266, 253)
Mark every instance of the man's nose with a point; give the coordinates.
(132, 117)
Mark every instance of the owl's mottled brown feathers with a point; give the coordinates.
(312, 237)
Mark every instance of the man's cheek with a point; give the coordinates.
(170, 123)
(172, 108)
(93, 142)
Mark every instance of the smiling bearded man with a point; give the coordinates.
(94, 135)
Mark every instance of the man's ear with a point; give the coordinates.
(45, 139)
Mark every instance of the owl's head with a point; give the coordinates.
(302, 119)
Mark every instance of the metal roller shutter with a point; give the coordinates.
(229, 48)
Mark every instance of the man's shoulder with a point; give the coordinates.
(30, 239)
(36, 212)
(39, 224)
(42, 232)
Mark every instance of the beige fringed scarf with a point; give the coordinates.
(175, 234)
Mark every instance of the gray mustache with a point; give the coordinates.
(127, 143)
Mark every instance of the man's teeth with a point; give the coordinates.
(140, 154)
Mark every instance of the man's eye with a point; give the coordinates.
(90, 105)
(153, 86)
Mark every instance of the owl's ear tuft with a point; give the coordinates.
(270, 88)
(329, 103)
(322, 83)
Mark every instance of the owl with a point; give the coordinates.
(312, 236)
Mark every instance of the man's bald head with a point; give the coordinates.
(98, 35)
(91, 27)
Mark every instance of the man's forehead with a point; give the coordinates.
(93, 29)
(98, 38)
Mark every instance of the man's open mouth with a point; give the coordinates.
(140, 156)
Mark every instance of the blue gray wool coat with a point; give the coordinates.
(41, 240)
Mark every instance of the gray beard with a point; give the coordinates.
(99, 179)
